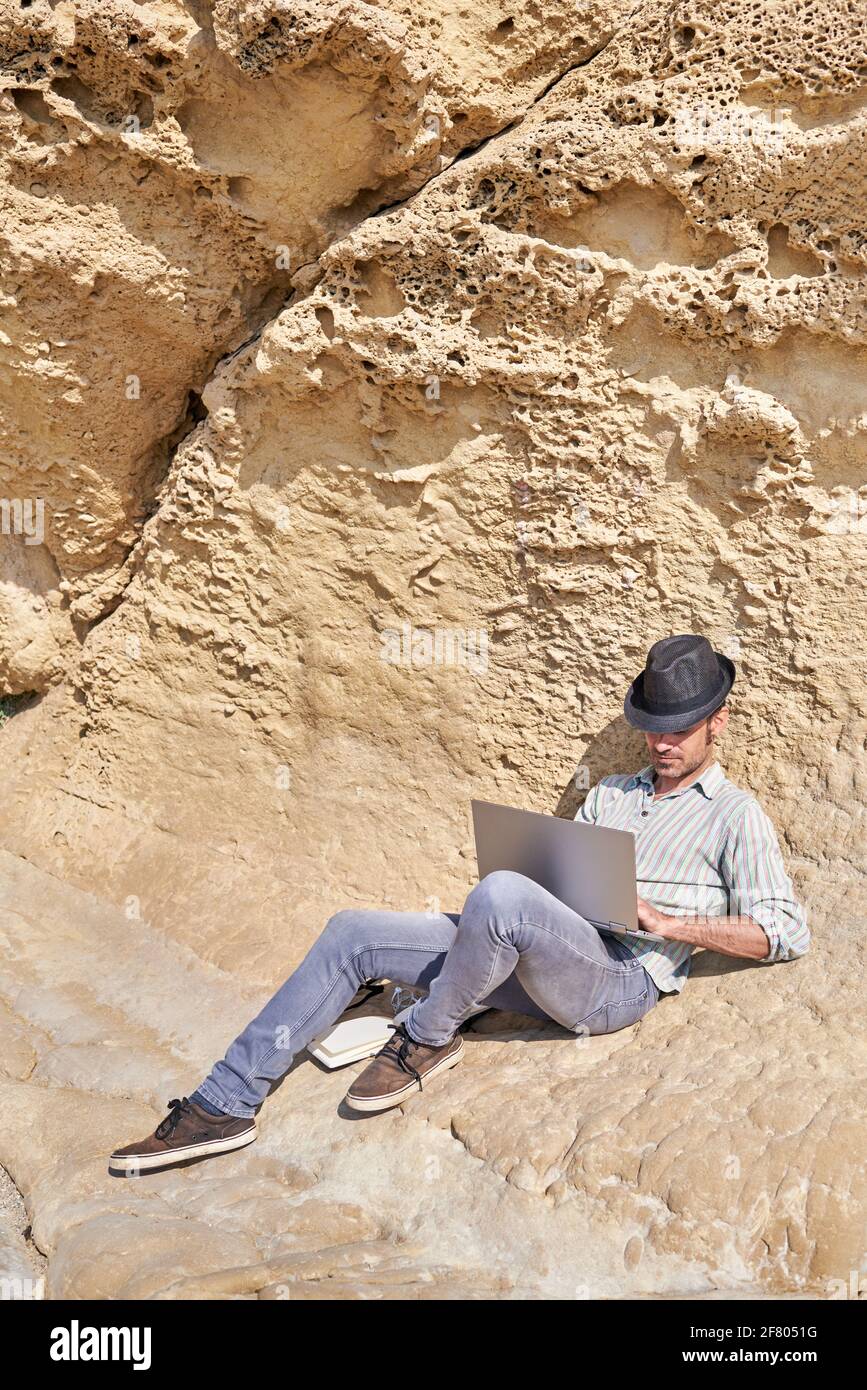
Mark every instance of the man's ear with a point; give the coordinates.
(719, 719)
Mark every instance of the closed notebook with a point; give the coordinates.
(351, 1041)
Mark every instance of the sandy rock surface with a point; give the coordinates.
(389, 378)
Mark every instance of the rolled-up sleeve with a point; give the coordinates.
(759, 886)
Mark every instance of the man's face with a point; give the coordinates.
(679, 754)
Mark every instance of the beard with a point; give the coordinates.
(677, 763)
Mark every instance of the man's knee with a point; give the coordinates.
(349, 928)
(501, 892)
(351, 935)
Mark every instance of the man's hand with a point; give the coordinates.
(651, 919)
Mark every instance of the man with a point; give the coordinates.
(710, 873)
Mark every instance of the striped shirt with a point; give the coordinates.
(705, 849)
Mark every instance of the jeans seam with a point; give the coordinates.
(487, 985)
(369, 946)
(484, 991)
(615, 969)
(622, 1003)
(581, 1021)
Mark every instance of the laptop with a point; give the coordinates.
(590, 868)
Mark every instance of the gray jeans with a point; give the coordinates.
(513, 947)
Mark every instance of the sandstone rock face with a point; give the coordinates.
(390, 377)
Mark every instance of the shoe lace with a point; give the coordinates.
(398, 1047)
(166, 1128)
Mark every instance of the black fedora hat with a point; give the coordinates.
(683, 681)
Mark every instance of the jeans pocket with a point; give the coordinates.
(593, 1023)
(627, 1012)
(623, 955)
(611, 1017)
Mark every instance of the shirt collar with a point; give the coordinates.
(708, 783)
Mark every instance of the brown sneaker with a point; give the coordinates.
(188, 1131)
(399, 1069)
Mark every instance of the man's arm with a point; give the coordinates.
(730, 936)
(770, 924)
